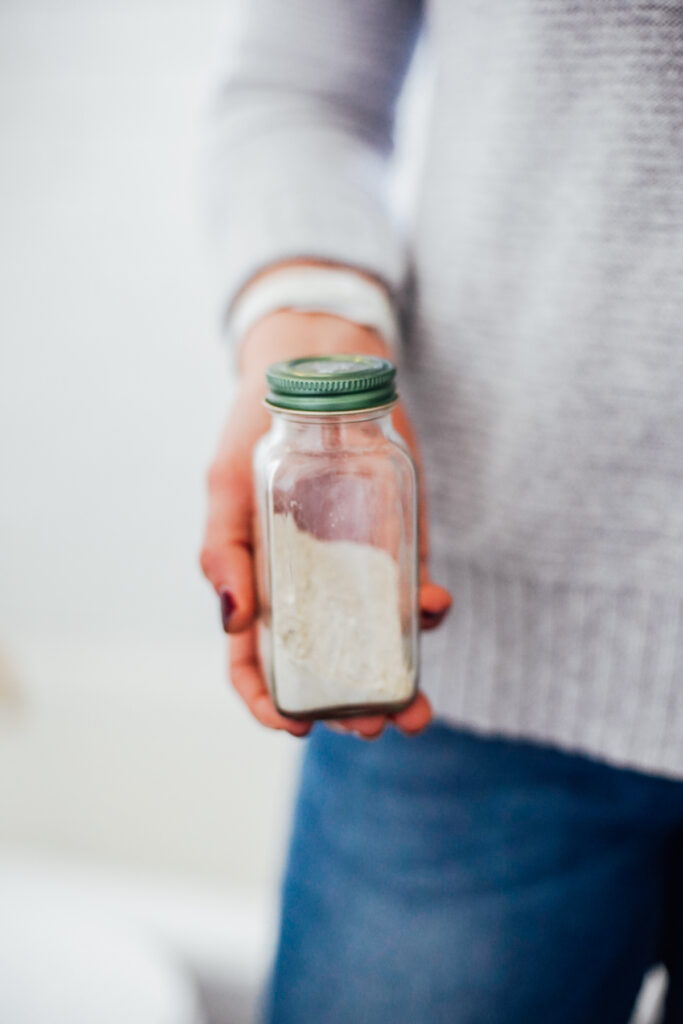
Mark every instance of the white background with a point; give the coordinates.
(119, 739)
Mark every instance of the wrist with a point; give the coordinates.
(314, 290)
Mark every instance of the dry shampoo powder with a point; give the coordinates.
(337, 541)
(337, 636)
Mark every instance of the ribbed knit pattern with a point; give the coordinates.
(588, 669)
(544, 359)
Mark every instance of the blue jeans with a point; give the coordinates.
(452, 879)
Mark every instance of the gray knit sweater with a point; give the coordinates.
(544, 356)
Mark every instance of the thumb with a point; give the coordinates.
(226, 558)
(435, 601)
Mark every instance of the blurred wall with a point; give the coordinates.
(119, 738)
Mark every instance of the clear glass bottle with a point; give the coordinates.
(336, 541)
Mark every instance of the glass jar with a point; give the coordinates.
(336, 541)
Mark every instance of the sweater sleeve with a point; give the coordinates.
(302, 133)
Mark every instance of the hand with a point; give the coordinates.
(226, 557)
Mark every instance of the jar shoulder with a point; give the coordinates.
(274, 460)
(277, 446)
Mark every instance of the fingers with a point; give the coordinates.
(435, 603)
(367, 727)
(415, 717)
(226, 557)
(247, 678)
(410, 721)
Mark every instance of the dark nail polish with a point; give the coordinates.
(227, 607)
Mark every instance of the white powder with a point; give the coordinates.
(336, 622)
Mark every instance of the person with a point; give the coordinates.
(521, 859)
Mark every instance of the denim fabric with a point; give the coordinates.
(454, 878)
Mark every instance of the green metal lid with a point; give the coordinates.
(331, 383)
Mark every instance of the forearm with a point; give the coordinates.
(301, 137)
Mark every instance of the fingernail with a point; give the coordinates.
(228, 606)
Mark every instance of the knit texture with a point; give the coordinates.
(544, 360)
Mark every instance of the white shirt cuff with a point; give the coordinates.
(333, 290)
